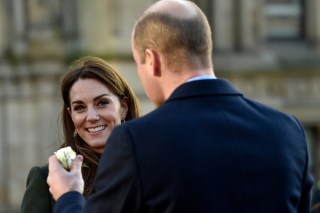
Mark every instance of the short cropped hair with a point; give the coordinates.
(174, 36)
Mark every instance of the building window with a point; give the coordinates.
(284, 19)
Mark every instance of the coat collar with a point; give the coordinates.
(204, 87)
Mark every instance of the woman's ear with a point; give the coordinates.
(124, 108)
(69, 110)
(153, 60)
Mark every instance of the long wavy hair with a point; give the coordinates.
(92, 68)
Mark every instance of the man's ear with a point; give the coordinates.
(153, 60)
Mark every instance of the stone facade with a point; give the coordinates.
(268, 59)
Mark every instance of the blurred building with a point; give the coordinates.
(269, 49)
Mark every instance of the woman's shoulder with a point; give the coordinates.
(41, 171)
(37, 197)
(36, 184)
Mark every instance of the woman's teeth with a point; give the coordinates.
(96, 129)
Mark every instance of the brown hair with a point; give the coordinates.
(176, 37)
(92, 68)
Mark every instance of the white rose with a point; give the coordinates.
(66, 155)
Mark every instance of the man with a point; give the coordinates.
(206, 148)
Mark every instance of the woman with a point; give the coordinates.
(96, 99)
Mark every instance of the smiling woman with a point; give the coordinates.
(95, 111)
(96, 99)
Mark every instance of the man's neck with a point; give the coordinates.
(175, 79)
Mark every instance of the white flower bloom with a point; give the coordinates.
(66, 155)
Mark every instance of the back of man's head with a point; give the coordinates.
(178, 29)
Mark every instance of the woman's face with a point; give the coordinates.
(95, 111)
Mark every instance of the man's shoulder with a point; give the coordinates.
(266, 107)
(276, 115)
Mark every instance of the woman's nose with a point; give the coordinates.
(92, 115)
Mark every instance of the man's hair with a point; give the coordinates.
(176, 37)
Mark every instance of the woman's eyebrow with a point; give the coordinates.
(96, 98)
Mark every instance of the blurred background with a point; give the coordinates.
(269, 49)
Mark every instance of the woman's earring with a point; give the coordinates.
(123, 116)
(123, 119)
(75, 133)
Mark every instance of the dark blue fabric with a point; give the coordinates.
(206, 149)
(70, 202)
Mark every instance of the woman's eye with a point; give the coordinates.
(78, 108)
(103, 103)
